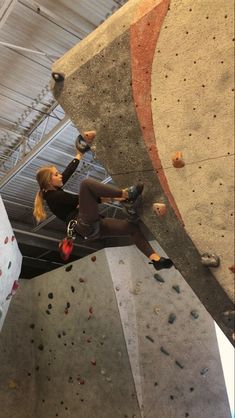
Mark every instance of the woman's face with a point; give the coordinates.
(56, 178)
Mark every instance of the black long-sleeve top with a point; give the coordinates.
(63, 204)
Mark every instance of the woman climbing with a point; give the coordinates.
(82, 209)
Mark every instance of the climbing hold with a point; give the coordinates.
(177, 160)
(210, 260)
(89, 136)
(160, 209)
(81, 144)
(50, 295)
(157, 310)
(6, 240)
(149, 338)
(93, 362)
(72, 289)
(194, 314)
(136, 290)
(12, 384)
(172, 318)
(179, 364)
(164, 351)
(58, 77)
(50, 306)
(229, 318)
(176, 288)
(40, 347)
(81, 280)
(232, 268)
(158, 278)
(93, 258)
(69, 268)
(204, 371)
(15, 286)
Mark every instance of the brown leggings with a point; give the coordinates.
(90, 193)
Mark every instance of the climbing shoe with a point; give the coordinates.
(134, 191)
(66, 248)
(162, 263)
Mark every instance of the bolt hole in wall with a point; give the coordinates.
(227, 359)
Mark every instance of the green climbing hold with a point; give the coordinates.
(194, 314)
(172, 318)
(176, 288)
(158, 278)
(163, 350)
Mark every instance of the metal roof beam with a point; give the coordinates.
(35, 151)
(5, 11)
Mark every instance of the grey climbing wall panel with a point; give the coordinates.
(69, 351)
(93, 340)
(175, 363)
(156, 80)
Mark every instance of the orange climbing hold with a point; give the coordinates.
(89, 136)
(160, 209)
(232, 268)
(177, 160)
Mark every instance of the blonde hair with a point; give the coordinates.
(43, 178)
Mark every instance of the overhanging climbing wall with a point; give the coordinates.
(10, 263)
(90, 339)
(155, 81)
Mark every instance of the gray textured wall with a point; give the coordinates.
(153, 80)
(108, 361)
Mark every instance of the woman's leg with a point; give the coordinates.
(118, 227)
(110, 227)
(90, 193)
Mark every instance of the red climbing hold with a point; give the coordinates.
(93, 258)
(15, 287)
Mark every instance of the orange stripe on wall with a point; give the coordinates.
(144, 35)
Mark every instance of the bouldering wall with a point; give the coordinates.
(106, 336)
(10, 263)
(155, 81)
(68, 352)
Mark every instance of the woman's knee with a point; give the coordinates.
(86, 183)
